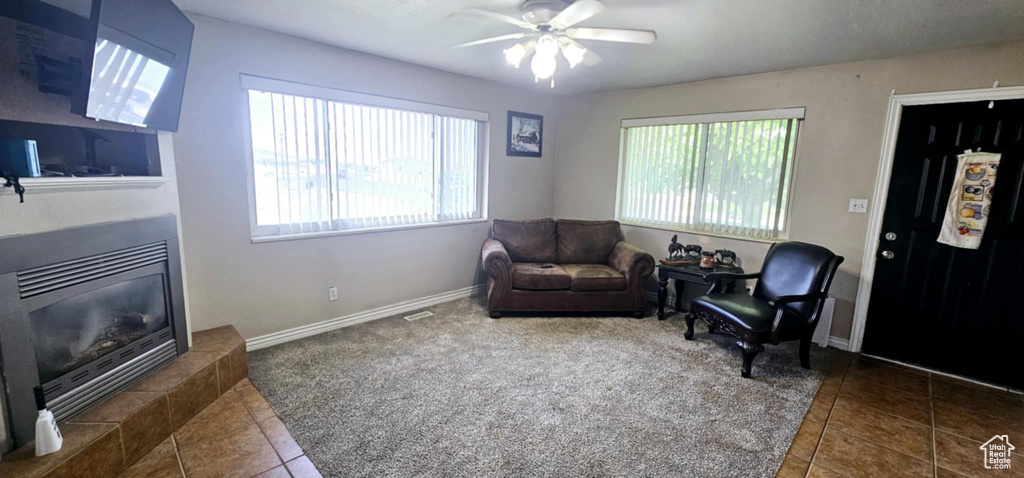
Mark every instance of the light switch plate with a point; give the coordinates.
(859, 206)
(332, 294)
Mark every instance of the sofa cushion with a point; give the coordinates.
(586, 242)
(594, 277)
(527, 241)
(539, 276)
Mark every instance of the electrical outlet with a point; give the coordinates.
(859, 206)
(332, 294)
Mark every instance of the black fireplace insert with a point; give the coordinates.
(85, 311)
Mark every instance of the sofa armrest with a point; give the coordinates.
(495, 255)
(632, 262)
(635, 265)
(498, 266)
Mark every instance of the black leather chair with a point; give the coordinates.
(787, 301)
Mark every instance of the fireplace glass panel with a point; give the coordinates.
(78, 330)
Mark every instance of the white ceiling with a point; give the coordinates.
(697, 39)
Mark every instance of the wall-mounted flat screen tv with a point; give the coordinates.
(135, 69)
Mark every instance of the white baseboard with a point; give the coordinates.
(296, 333)
(841, 344)
(652, 296)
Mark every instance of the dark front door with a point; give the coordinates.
(951, 309)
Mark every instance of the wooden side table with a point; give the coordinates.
(689, 273)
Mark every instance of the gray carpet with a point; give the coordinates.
(459, 394)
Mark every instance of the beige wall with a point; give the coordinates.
(269, 287)
(839, 145)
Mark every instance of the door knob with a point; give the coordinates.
(888, 255)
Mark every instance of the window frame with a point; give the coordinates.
(705, 120)
(271, 233)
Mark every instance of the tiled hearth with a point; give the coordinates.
(872, 418)
(237, 435)
(198, 416)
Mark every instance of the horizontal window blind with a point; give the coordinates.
(322, 165)
(724, 177)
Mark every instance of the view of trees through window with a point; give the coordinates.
(326, 165)
(728, 177)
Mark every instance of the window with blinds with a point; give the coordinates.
(321, 164)
(727, 174)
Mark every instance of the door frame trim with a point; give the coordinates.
(878, 199)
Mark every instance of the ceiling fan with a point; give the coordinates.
(549, 25)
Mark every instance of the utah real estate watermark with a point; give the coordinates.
(997, 452)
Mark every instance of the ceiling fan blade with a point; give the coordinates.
(577, 12)
(530, 46)
(479, 12)
(510, 36)
(613, 34)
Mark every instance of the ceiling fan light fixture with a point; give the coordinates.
(547, 46)
(573, 53)
(543, 66)
(551, 27)
(515, 54)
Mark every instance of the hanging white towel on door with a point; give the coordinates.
(969, 203)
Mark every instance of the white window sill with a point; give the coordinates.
(351, 232)
(52, 185)
(784, 238)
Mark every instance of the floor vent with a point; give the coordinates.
(419, 315)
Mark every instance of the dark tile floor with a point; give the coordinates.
(872, 418)
(238, 435)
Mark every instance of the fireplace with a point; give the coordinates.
(85, 311)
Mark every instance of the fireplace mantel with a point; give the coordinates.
(54, 185)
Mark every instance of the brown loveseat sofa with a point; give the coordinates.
(563, 266)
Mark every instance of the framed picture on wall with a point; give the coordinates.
(525, 134)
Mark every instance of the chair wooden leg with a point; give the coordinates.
(749, 352)
(805, 352)
(689, 318)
